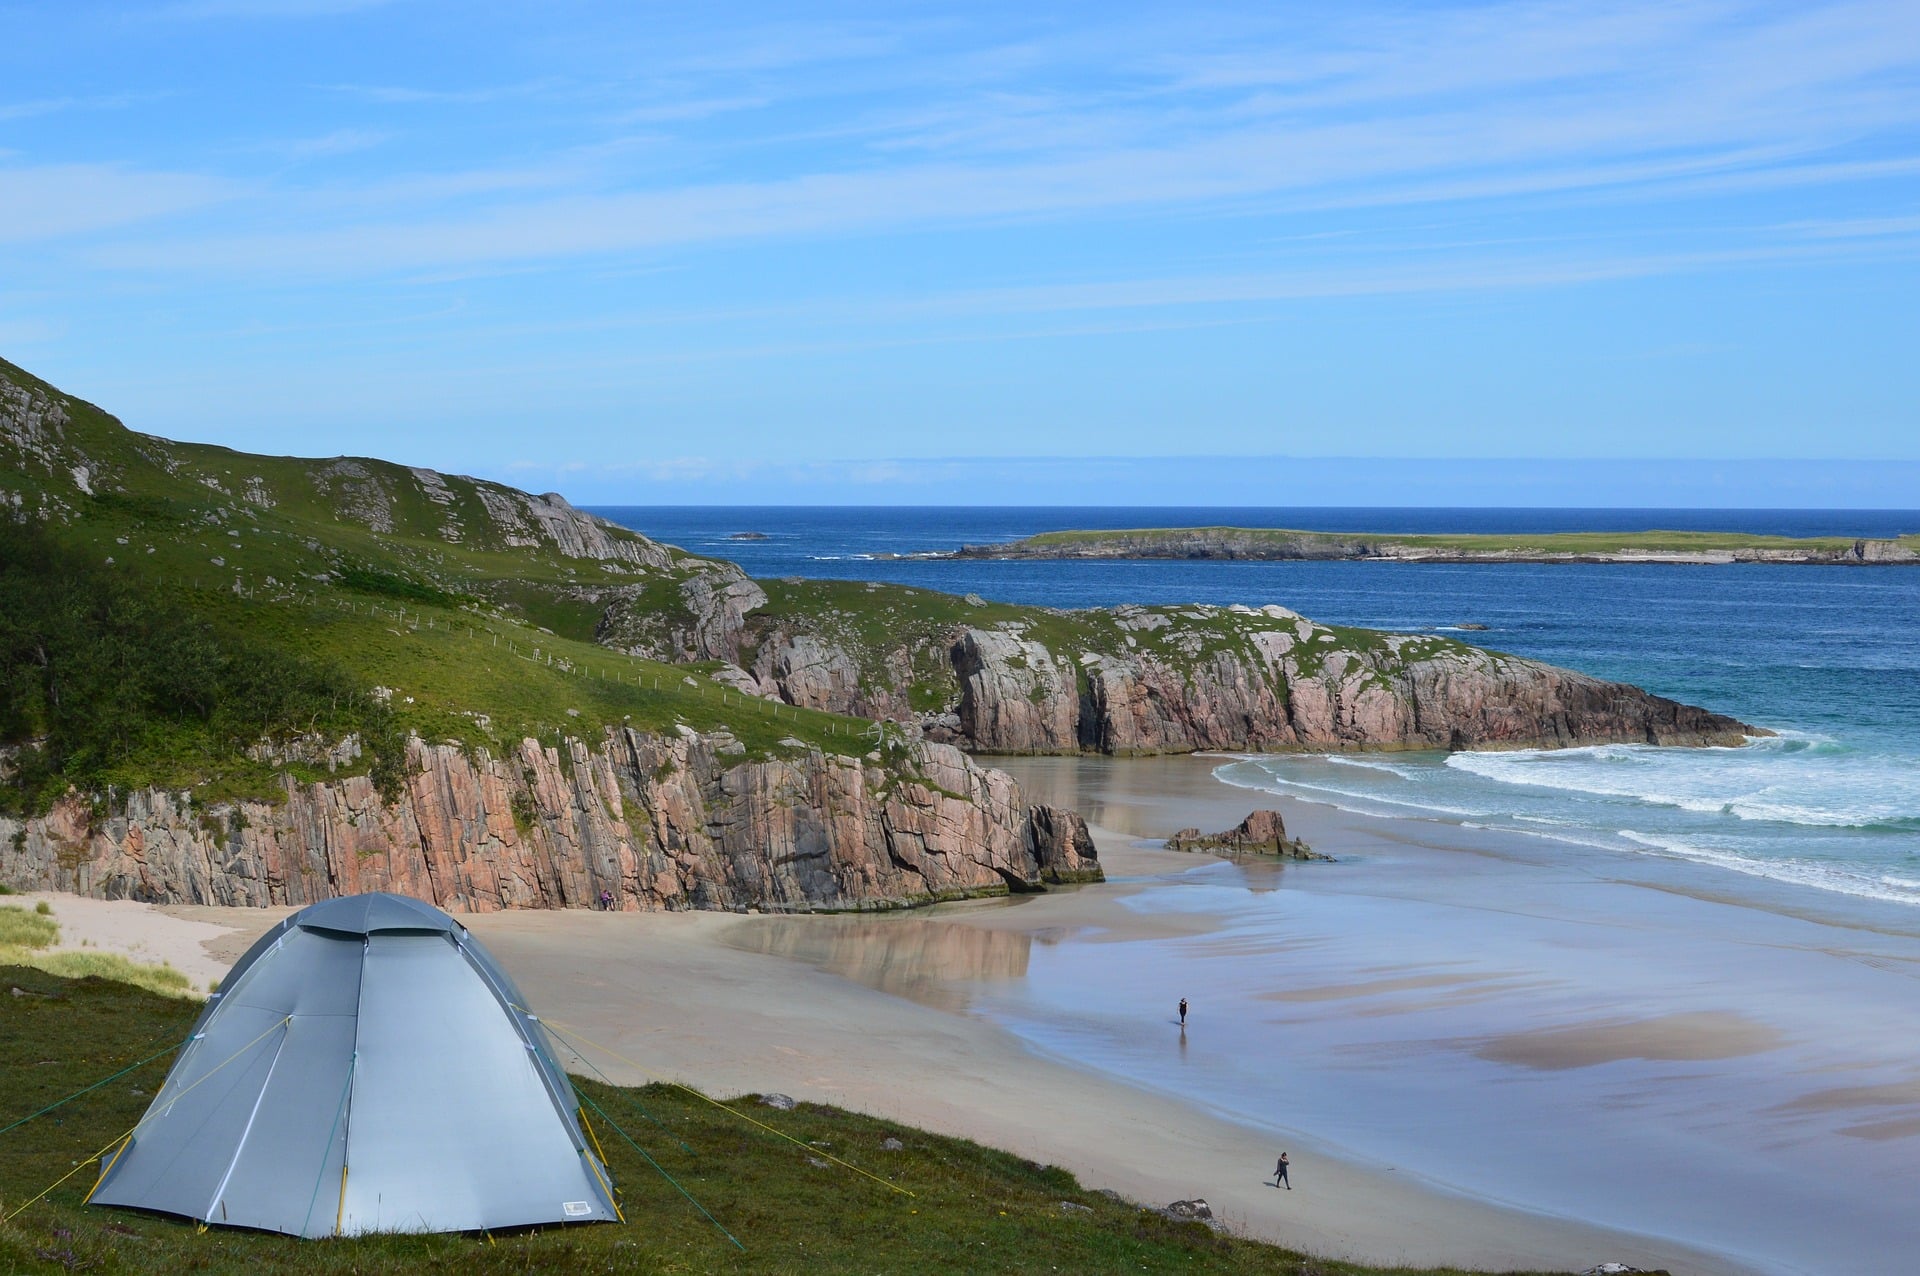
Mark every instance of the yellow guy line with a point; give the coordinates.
(811, 1150)
(119, 1138)
(605, 1186)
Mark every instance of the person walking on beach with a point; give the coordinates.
(1183, 1012)
(606, 901)
(1280, 1174)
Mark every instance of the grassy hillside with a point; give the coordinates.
(971, 1209)
(165, 606)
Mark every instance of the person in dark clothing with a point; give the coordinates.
(1183, 1012)
(1280, 1174)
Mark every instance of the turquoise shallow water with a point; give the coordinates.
(1829, 657)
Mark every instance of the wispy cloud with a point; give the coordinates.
(407, 95)
(195, 9)
(60, 105)
(340, 141)
(650, 198)
(1495, 103)
(58, 200)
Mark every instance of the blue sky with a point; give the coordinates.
(893, 253)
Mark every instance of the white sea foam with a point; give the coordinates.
(1797, 872)
(1803, 810)
(1806, 781)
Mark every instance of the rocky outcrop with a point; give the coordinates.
(663, 822)
(1016, 695)
(1061, 846)
(700, 616)
(1293, 685)
(1142, 680)
(1261, 833)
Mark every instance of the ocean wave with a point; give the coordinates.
(1403, 771)
(1329, 795)
(1796, 872)
(1809, 783)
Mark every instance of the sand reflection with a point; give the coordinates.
(908, 957)
(1686, 1038)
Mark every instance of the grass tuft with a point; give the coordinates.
(22, 929)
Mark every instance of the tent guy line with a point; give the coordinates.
(122, 1140)
(562, 1031)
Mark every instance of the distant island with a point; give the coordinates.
(1273, 543)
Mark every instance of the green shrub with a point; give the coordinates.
(107, 679)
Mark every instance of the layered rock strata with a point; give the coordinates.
(1146, 680)
(660, 822)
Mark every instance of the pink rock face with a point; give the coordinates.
(661, 822)
(1016, 696)
(1264, 692)
(1140, 680)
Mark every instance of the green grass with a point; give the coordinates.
(973, 1209)
(21, 928)
(73, 963)
(26, 936)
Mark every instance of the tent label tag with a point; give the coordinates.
(575, 1209)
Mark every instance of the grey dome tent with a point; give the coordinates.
(366, 1067)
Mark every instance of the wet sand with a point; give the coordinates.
(1650, 1044)
(864, 1013)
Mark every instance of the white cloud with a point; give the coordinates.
(55, 200)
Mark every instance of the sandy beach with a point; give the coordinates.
(1419, 1030)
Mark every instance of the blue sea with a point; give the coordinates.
(1827, 657)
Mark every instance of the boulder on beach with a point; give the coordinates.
(1261, 833)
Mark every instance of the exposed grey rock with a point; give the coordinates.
(784, 1102)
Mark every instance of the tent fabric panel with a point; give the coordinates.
(194, 1130)
(286, 1172)
(373, 912)
(313, 973)
(182, 1148)
(234, 977)
(469, 1141)
(530, 1029)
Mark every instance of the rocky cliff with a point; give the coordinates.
(662, 822)
(1138, 680)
